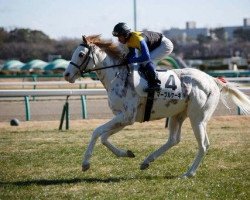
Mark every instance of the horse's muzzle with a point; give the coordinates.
(67, 77)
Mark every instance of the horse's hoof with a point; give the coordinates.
(85, 167)
(184, 176)
(130, 154)
(187, 175)
(144, 166)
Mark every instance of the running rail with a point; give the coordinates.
(52, 92)
(43, 83)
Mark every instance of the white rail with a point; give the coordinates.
(245, 89)
(52, 92)
(47, 83)
(238, 79)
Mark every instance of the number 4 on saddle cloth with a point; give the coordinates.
(170, 90)
(170, 84)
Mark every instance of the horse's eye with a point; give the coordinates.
(81, 54)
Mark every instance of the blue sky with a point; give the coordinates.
(72, 18)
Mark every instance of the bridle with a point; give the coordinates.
(82, 67)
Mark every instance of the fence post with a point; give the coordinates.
(34, 77)
(27, 108)
(239, 111)
(166, 122)
(65, 112)
(84, 107)
(84, 103)
(62, 117)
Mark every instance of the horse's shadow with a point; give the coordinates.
(46, 182)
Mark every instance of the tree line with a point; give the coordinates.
(26, 44)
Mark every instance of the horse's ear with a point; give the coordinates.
(84, 40)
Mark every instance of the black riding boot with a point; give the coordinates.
(154, 84)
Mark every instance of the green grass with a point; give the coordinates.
(39, 162)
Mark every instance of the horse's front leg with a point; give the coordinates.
(105, 130)
(118, 152)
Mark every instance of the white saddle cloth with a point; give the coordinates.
(170, 84)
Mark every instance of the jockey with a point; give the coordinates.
(152, 47)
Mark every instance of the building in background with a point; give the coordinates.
(191, 32)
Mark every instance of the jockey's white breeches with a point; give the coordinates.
(165, 48)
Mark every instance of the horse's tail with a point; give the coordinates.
(239, 98)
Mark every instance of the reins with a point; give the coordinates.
(87, 59)
(101, 68)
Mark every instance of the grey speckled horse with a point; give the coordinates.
(201, 94)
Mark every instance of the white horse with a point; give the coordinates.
(201, 94)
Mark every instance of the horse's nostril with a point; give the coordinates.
(66, 74)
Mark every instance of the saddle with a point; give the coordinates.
(170, 84)
(170, 88)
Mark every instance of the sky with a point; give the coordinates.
(74, 18)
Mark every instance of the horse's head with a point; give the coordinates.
(90, 54)
(82, 60)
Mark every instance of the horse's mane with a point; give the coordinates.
(106, 45)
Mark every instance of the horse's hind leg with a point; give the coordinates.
(175, 123)
(199, 121)
(199, 128)
(207, 143)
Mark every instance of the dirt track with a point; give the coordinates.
(47, 108)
